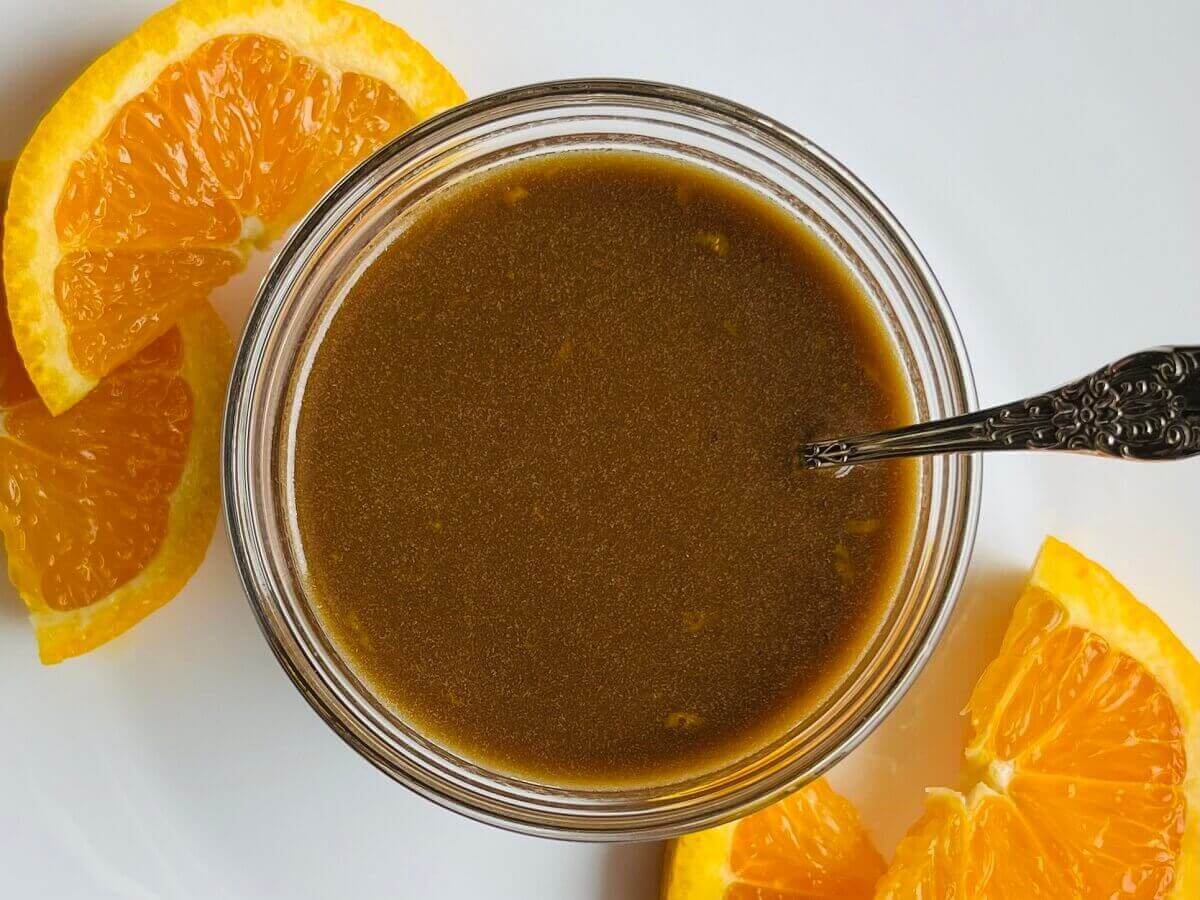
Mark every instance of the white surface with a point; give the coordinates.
(1045, 160)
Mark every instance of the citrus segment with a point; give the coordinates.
(1113, 839)
(1079, 707)
(215, 100)
(926, 863)
(109, 508)
(140, 185)
(367, 114)
(1002, 858)
(1084, 756)
(203, 134)
(118, 301)
(809, 845)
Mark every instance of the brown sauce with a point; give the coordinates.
(544, 480)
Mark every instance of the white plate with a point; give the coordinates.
(1045, 162)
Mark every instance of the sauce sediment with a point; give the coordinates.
(544, 479)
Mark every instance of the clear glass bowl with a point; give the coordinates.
(329, 248)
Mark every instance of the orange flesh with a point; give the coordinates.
(810, 845)
(152, 217)
(1098, 752)
(113, 299)
(1083, 761)
(86, 495)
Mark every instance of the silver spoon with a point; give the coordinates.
(1145, 406)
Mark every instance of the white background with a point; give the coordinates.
(1043, 156)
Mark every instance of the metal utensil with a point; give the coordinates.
(1145, 406)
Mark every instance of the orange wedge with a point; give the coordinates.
(1084, 760)
(203, 134)
(108, 509)
(808, 846)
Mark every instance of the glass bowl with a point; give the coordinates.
(329, 248)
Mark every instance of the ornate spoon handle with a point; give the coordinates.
(1145, 406)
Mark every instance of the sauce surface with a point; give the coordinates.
(544, 479)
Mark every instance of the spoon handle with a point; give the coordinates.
(1145, 406)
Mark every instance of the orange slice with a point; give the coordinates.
(1085, 757)
(203, 134)
(108, 509)
(807, 846)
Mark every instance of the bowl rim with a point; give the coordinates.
(591, 90)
